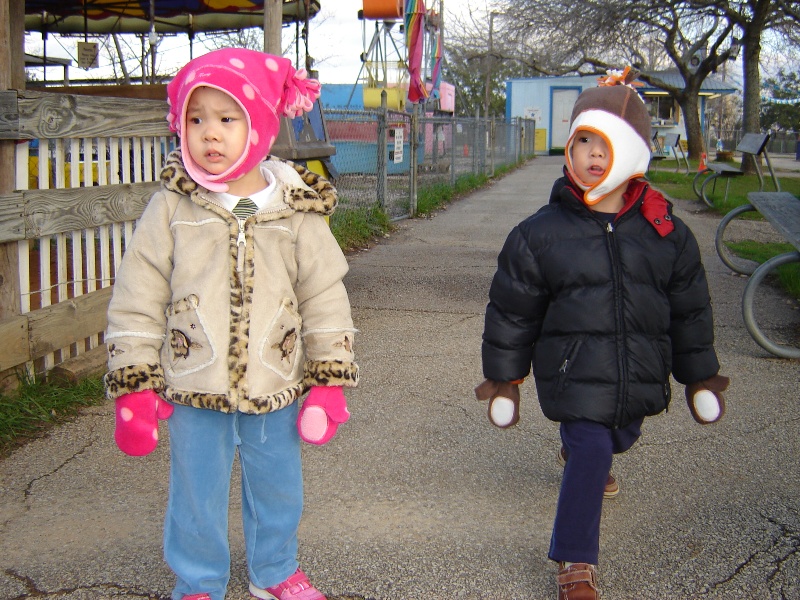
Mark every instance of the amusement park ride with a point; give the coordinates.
(404, 61)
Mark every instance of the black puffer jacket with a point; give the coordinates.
(604, 313)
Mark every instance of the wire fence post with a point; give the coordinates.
(491, 142)
(453, 150)
(476, 139)
(413, 172)
(382, 155)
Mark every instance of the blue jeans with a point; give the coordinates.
(590, 448)
(203, 444)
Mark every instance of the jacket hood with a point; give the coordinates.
(303, 190)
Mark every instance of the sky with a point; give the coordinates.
(336, 41)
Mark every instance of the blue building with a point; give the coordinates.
(549, 100)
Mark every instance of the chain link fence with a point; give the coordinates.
(385, 158)
(780, 142)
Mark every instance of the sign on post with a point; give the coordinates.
(398, 145)
(88, 55)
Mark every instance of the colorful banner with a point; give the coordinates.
(415, 43)
(436, 63)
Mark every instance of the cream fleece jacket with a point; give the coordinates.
(230, 317)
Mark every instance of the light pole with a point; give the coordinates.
(487, 90)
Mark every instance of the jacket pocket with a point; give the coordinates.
(188, 346)
(282, 348)
(567, 361)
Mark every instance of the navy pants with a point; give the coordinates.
(590, 448)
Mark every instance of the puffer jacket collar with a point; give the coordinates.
(303, 190)
(652, 205)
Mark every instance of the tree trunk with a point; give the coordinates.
(690, 106)
(751, 101)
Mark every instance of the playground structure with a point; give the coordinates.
(162, 16)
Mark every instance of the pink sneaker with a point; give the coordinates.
(297, 587)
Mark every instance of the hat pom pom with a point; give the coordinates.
(299, 94)
(615, 77)
(174, 122)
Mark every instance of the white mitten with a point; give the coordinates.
(503, 400)
(705, 399)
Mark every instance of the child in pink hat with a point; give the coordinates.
(228, 306)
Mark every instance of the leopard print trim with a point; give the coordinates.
(135, 378)
(221, 402)
(174, 175)
(218, 402)
(330, 372)
(273, 402)
(320, 198)
(324, 198)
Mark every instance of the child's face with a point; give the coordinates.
(216, 129)
(591, 156)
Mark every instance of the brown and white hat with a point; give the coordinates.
(615, 111)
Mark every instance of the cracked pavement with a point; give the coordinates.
(418, 496)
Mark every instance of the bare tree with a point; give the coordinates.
(695, 37)
(754, 18)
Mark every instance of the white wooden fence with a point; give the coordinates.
(85, 168)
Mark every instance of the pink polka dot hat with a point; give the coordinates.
(267, 88)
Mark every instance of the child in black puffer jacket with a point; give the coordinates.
(603, 293)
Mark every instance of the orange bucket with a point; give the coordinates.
(383, 9)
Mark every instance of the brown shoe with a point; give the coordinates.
(577, 582)
(612, 487)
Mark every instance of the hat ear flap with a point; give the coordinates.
(299, 93)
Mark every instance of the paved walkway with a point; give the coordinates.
(419, 497)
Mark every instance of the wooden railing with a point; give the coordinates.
(85, 169)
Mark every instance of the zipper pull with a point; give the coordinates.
(610, 228)
(240, 244)
(563, 368)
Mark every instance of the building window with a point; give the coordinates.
(662, 109)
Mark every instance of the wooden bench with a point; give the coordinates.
(754, 144)
(782, 211)
(670, 147)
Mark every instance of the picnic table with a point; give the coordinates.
(669, 146)
(754, 144)
(782, 211)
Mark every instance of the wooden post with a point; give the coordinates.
(12, 76)
(273, 22)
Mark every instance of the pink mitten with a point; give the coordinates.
(138, 413)
(705, 399)
(503, 400)
(322, 413)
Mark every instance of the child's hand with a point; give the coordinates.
(137, 416)
(503, 400)
(706, 402)
(322, 413)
